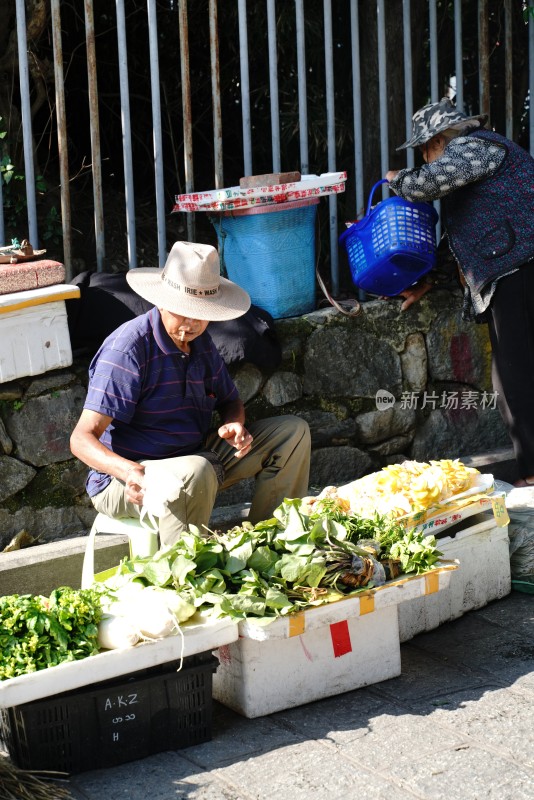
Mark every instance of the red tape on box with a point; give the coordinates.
(339, 631)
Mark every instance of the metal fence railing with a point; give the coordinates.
(354, 86)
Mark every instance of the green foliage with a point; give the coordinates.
(53, 230)
(7, 406)
(7, 170)
(15, 204)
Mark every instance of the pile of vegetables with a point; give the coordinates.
(313, 551)
(290, 562)
(38, 632)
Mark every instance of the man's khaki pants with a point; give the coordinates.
(279, 461)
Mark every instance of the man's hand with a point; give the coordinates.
(236, 435)
(134, 484)
(392, 174)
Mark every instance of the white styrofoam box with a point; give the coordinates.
(259, 678)
(34, 333)
(318, 652)
(483, 576)
(198, 637)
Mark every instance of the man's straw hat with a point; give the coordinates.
(190, 284)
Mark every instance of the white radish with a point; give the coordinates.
(149, 613)
(115, 633)
(152, 612)
(179, 607)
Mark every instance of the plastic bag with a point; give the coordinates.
(160, 488)
(520, 507)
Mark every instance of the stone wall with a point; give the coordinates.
(375, 389)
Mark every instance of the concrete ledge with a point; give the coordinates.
(40, 569)
(501, 463)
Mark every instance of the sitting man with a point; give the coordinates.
(153, 387)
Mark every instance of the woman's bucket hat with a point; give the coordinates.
(437, 117)
(190, 284)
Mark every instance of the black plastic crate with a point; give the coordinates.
(113, 722)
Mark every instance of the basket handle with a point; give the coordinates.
(377, 184)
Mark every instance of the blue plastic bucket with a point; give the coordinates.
(393, 246)
(270, 252)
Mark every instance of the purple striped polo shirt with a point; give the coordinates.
(161, 400)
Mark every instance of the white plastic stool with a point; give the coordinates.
(143, 541)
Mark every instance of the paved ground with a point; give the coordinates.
(458, 724)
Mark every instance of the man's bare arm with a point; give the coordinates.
(85, 445)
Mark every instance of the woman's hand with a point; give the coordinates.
(236, 435)
(415, 292)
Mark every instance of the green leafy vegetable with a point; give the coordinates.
(286, 563)
(38, 632)
(416, 553)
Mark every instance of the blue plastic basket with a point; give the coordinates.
(392, 246)
(271, 254)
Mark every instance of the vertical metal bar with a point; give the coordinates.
(62, 141)
(435, 93)
(273, 84)
(95, 134)
(331, 139)
(329, 81)
(186, 109)
(126, 135)
(156, 130)
(383, 92)
(302, 96)
(216, 95)
(531, 73)
(508, 70)
(458, 60)
(483, 58)
(27, 123)
(2, 225)
(408, 77)
(357, 107)
(245, 86)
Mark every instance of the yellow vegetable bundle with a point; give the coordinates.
(406, 488)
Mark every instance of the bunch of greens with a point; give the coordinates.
(415, 552)
(38, 632)
(280, 565)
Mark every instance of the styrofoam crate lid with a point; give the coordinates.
(493, 503)
(199, 637)
(394, 592)
(13, 301)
